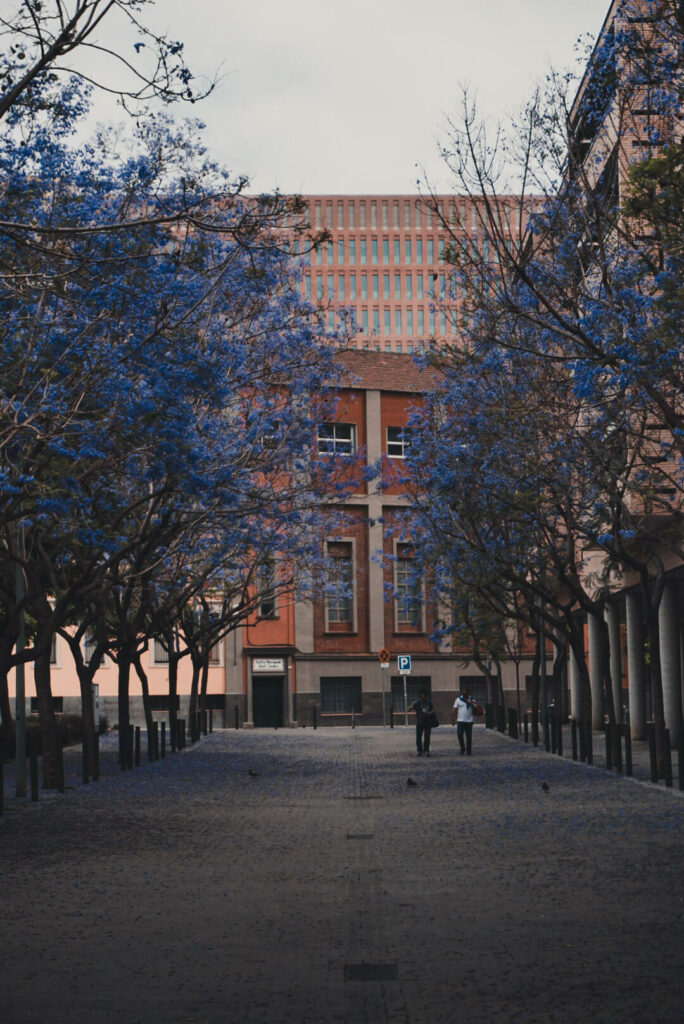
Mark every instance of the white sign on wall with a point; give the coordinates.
(268, 664)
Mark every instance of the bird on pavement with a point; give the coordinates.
(545, 787)
(254, 775)
(410, 782)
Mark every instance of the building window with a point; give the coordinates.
(364, 286)
(319, 286)
(409, 286)
(364, 252)
(374, 252)
(430, 251)
(160, 655)
(364, 320)
(384, 214)
(408, 591)
(340, 252)
(375, 285)
(385, 286)
(407, 215)
(362, 213)
(341, 696)
(397, 286)
(328, 215)
(350, 214)
(432, 321)
(340, 216)
(331, 286)
(421, 321)
(395, 215)
(385, 251)
(409, 321)
(340, 287)
(352, 250)
(266, 591)
(419, 250)
(387, 321)
(329, 253)
(418, 216)
(336, 439)
(407, 250)
(397, 442)
(319, 256)
(317, 215)
(397, 321)
(376, 319)
(307, 286)
(419, 286)
(374, 214)
(352, 286)
(397, 251)
(339, 605)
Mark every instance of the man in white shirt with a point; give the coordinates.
(462, 717)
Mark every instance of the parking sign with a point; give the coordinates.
(404, 664)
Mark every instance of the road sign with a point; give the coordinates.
(404, 664)
(384, 656)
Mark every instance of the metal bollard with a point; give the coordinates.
(163, 739)
(526, 733)
(33, 759)
(392, 717)
(211, 719)
(137, 746)
(313, 716)
(628, 748)
(237, 718)
(130, 747)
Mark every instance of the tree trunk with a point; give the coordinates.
(52, 778)
(149, 721)
(124, 660)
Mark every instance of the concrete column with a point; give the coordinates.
(668, 628)
(595, 672)
(575, 686)
(636, 669)
(613, 622)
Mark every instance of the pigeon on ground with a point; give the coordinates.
(545, 787)
(410, 782)
(255, 775)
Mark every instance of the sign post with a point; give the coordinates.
(384, 659)
(404, 666)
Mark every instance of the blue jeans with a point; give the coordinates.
(464, 731)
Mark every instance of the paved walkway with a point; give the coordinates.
(294, 877)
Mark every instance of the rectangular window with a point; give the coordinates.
(266, 589)
(331, 320)
(340, 216)
(376, 319)
(385, 251)
(397, 286)
(352, 249)
(432, 321)
(160, 655)
(364, 286)
(397, 321)
(407, 250)
(364, 252)
(408, 284)
(340, 696)
(362, 214)
(319, 286)
(386, 321)
(397, 251)
(442, 322)
(428, 218)
(409, 321)
(397, 442)
(328, 215)
(418, 216)
(352, 286)
(385, 286)
(340, 586)
(331, 286)
(407, 215)
(340, 251)
(419, 286)
(350, 214)
(408, 590)
(329, 253)
(364, 320)
(319, 256)
(430, 251)
(384, 214)
(307, 286)
(395, 215)
(340, 287)
(441, 250)
(421, 321)
(374, 252)
(374, 279)
(419, 250)
(374, 214)
(317, 215)
(337, 439)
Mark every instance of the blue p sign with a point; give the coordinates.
(404, 664)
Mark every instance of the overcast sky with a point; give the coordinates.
(323, 96)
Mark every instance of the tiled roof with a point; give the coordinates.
(385, 371)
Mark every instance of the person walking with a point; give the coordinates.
(424, 710)
(463, 716)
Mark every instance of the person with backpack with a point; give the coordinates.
(463, 716)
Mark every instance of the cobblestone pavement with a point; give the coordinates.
(294, 877)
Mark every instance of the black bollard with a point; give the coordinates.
(96, 756)
(163, 739)
(667, 748)
(237, 718)
(609, 747)
(129, 749)
(211, 719)
(183, 734)
(513, 723)
(526, 733)
(313, 716)
(573, 737)
(392, 717)
(617, 746)
(535, 728)
(628, 748)
(650, 736)
(137, 746)
(60, 765)
(33, 758)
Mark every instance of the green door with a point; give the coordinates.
(267, 702)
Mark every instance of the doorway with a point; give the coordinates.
(267, 702)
